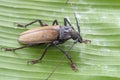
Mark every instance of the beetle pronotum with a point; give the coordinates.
(50, 35)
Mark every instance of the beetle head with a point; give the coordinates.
(75, 35)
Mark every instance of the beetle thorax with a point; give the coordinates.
(74, 34)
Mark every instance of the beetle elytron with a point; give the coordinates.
(51, 35)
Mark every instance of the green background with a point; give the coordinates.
(99, 21)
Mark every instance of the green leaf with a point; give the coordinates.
(99, 21)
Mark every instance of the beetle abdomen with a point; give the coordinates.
(39, 35)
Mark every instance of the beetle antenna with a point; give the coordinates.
(78, 27)
(58, 64)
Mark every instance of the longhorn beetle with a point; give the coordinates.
(50, 35)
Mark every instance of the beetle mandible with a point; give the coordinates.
(50, 35)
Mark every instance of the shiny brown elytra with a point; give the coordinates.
(39, 35)
(51, 35)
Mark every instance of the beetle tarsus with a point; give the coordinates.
(33, 62)
(73, 66)
(86, 41)
(7, 49)
(19, 25)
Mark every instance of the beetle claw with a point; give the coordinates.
(86, 41)
(73, 66)
(33, 62)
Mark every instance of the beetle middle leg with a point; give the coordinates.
(37, 20)
(41, 57)
(73, 66)
(55, 22)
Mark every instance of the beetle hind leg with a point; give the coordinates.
(13, 49)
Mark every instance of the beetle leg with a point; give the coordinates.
(75, 41)
(55, 22)
(37, 20)
(66, 21)
(41, 57)
(14, 49)
(73, 66)
(86, 41)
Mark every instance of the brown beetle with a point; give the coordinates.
(52, 35)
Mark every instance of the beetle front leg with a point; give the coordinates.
(28, 24)
(73, 66)
(66, 22)
(41, 57)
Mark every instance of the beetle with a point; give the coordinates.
(51, 35)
